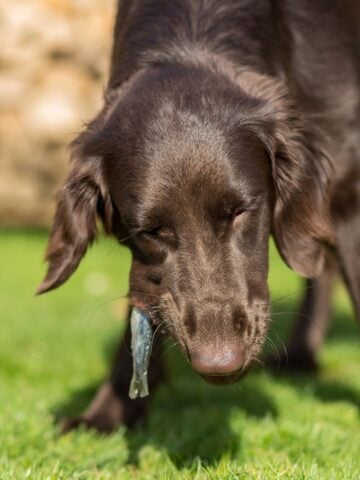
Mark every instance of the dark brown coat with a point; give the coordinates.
(224, 122)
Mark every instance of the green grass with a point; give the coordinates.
(55, 349)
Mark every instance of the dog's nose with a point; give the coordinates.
(212, 361)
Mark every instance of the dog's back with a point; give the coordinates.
(316, 44)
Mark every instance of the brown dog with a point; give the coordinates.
(224, 121)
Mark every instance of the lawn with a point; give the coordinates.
(55, 349)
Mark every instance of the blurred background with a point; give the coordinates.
(54, 59)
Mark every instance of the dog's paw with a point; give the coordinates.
(301, 361)
(100, 424)
(107, 412)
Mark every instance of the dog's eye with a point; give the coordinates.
(234, 214)
(159, 234)
(154, 232)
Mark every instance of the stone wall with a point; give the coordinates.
(54, 59)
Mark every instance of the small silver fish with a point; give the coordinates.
(141, 338)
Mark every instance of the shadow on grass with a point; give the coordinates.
(193, 420)
(325, 390)
(189, 420)
(343, 328)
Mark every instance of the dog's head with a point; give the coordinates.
(193, 172)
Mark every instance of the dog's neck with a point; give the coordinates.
(202, 30)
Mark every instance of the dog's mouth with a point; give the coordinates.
(157, 316)
(226, 379)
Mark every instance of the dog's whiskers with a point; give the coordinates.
(259, 361)
(169, 347)
(139, 292)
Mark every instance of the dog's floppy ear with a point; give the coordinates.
(302, 172)
(82, 200)
(301, 220)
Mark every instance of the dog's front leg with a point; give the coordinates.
(311, 324)
(310, 327)
(111, 405)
